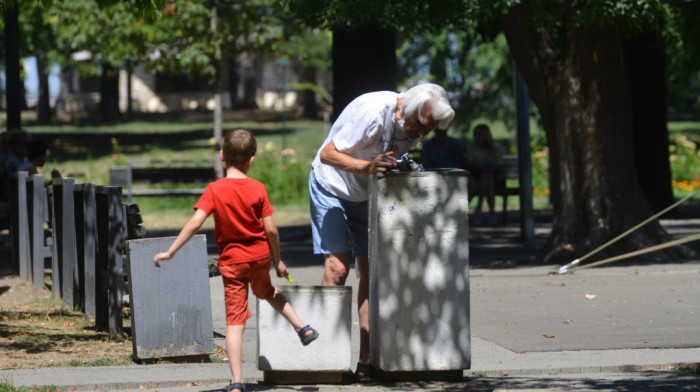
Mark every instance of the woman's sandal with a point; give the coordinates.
(235, 385)
(305, 340)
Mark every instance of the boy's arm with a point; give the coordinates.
(186, 233)
(274, 239)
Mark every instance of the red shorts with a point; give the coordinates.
(236, 279)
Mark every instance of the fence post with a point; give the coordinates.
(56, 260)
(85, 212)
(37, 217)
(110, 234)
(86, 242)
(19, 225)
(64, 232)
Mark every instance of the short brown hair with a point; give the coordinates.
(239, 146)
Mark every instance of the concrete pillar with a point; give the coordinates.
(280, 353)
(419, 272)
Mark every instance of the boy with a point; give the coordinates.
(246, 235)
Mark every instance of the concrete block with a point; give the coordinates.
(328, 310)
(170, 305)
(419, 272)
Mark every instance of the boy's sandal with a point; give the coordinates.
(305, 340)
(362, 373)
(235, 385)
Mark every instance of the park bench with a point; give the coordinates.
(509, 171)
(162, 172)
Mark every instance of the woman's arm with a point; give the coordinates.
(332, 157)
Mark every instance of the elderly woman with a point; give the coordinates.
(368, 136)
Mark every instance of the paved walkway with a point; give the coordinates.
(613, 328)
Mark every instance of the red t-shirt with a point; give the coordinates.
(238, 206)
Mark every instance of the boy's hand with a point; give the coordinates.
(162, 256)
(282, 271)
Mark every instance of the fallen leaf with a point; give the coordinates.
(549, 336)
(190, 384)
(48, 318)
(670, 367)
(590, 296)
(68, 324)
(649, 370)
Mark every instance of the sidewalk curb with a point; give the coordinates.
(205, 375)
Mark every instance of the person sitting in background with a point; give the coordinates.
(442, 151)
(484, 157)
(15, 141)
(36, 158)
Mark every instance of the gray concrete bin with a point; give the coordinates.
(419, 272)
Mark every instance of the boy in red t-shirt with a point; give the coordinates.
(246, 235)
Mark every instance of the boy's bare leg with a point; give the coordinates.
(280, 304)
(234, 349)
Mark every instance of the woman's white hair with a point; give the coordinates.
(435, 96)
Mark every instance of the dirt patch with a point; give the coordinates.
(38, 331)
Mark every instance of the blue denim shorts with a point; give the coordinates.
(338, 225)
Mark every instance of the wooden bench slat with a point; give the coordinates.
(153, 172)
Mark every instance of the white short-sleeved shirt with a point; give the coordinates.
(365, 128)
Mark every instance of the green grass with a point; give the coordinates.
(7, 387)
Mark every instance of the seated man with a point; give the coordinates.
(16, 142)
(442, 151)
(36, 158)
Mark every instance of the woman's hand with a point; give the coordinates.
(382, 162)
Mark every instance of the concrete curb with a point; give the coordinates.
(145, 377)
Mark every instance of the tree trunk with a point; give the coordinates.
(647, 60)
(43, 107)
(233, 78)
(364, 60)
(13, 95)
(583, 94)
(109, 94)
(308, 75)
